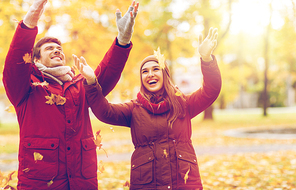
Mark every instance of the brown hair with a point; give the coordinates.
(177, 103)
(44, 40)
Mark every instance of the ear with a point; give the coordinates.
(37, 60)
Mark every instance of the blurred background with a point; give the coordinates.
(255, 48)
(256, 55)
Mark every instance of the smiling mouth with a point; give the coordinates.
(56, 57)
(152, 82)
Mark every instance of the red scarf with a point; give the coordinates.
(157, 108)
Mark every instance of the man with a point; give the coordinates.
(56, 149)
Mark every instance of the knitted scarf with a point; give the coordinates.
(60, 74)
(158, 107)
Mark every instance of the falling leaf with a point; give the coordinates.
(27, 58)
(165, 154)
(186, 176)
(50, 182)
(55, 99)
(178, 93)
(44, 83)
(50, 99)
(4, 180)
(101, 167)
(160, 58)
(10, 109)
(37, 156)
(26, 170)
(98, 139)
(126, 184)
(60, 100)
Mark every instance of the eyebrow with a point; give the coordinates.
(152, 67)
(48, 47)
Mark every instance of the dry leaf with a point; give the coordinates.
(178, 93)
(101, 167)
(4, 180)
(50, 99)
(27, 58)
(126, 184)
(50, 182)
(165, 154)
(44, 83)
(10, 109)
(98, 139)
(60, 100)
(37, 156)
(55, 99)
(26, 170)
(186, 176)
(160, 58)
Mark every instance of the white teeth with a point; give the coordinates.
(152, 82)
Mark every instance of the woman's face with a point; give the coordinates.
(152, 76)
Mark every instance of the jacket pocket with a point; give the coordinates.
(41, 158)
(187, 162)
(89, 158)
(142, 169)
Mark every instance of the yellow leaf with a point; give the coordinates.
(50, 99)
(178, 93)
(160, 58)
(44, 83)
(27, 58)
(101, 167)
(37, 156)
(186, 176)
(165, 153)
(10, 109)
(98, 139)
(50, 182)
(60, 100)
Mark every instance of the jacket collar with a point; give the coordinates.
(155, 108)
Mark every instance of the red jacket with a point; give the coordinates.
(162, 155)
(62, 134)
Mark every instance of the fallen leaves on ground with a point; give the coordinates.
(5, 179)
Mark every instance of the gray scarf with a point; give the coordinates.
(60, 74)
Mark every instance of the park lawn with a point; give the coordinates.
(272, 170)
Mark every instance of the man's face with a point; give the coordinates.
(51, 55)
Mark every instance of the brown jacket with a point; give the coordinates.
(162, 155)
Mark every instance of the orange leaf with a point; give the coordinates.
(37, 156)
(60, 100)
(10, 109)
(98, 139)
(101, 167)
(44, 83)
(160, 58)
(126, 184)
(165, 153)
(27, 58)
(186, 176)
(50, 99)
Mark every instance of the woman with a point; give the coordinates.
(160, 120)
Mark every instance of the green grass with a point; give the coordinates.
(204, 133)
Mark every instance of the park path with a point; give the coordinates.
(8, 162)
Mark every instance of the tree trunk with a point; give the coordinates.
(265, 98)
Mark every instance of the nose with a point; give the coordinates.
(150, 73)
(57, 51)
